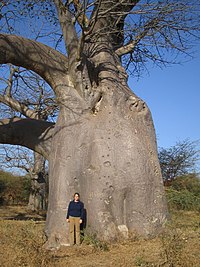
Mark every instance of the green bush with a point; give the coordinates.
(189, 182)
(14, 189)
(184, 193)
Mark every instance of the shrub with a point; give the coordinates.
(92, 240)
(14, 189)
(184, 193)
(189, 182)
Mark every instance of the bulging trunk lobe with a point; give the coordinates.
(110, 157)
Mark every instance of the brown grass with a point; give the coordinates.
(22, 241)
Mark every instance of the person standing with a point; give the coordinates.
(74, 217)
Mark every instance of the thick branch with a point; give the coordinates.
(68, 29)
(81, 16)
(33, 134)
(10, 80)
(71, 43)
(32, 55)
(131, 45)
(17, 106)
(109, 17)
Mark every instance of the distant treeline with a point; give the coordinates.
(183, 193)
(14, 190)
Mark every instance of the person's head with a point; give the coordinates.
(76, 196)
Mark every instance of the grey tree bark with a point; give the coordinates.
(103, 144)
(38, 194)
(105, 149)
(111, 159)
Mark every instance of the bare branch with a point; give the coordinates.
(20, 157)
(33, 134)
(180, 159)
(10, 80)
(131, 45)
(109, 17)
(17, 106)
(71, 43)
(68, 29)
(32, 55)
(26, 93)
(81, 16)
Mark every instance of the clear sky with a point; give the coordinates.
(173, 96)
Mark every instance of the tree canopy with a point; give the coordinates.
(140, 31)
(180, 159)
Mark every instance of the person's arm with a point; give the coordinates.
(82, 212)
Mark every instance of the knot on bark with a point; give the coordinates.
(96, 102)
(135, 104)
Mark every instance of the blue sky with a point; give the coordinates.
(173, 96)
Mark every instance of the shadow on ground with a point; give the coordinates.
(21, 213)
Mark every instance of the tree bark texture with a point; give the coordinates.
(103, 144)
(110, 158)
(38, 194)
(33, 134)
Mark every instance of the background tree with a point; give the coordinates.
(103, 143)
(19, 159)
(24, 94)
(31, 165)
(14, 189)
(179, 159)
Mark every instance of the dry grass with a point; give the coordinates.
(22, 241)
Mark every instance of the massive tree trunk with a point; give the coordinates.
(103, 144)
(110, 157)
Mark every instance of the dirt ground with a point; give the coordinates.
(22, 241)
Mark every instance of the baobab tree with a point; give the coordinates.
(103, 143)
(33, 166)
(23, 93)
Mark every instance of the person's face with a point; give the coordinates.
(76, 197)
